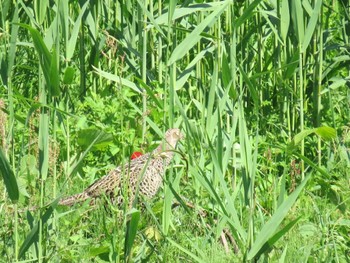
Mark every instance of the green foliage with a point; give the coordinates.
(259, 88)
(9, 178)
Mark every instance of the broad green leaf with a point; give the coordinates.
(68, 75)
(219, 142)
(51, 35)
(341, 222)
(337, 82)
(291, 66)
(282, 188)
(167, 204)
(91, 24)
(300, 136)
(326, 133)
(48, 62)
(9, 178)
(270, 227)
(332, 70)
(307, 7)
(102, 252)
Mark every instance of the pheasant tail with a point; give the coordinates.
(73, 199)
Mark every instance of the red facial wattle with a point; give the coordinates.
(135, 155)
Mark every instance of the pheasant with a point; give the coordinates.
(142, 174)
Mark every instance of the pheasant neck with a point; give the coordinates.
(169, 145)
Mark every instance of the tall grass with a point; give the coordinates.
(260, 88)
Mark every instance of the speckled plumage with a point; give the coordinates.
(142, 175)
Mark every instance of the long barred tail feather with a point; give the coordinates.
(77, 198)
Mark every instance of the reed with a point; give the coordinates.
(260, 88)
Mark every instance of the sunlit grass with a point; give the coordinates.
(249, 83)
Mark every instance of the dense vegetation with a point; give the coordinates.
(259, 88)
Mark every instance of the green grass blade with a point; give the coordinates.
(285, 19)
(268, 246)
(76, 163)
(211, 116)
(150, 17)
(42, 50)
(182, 79)
(311, 25)
(9, 178)
(33, 235)
(71, 46)
(54, 75)
(252, 85)
(229, 202)
(40, 8)
(185, 11)
(12, 48)
(150, 93)
(186, 251)
(326, 133)
(117, 79)
(283, 256)
(248, 12)
(131, 232)
(99, 138)
(172, 8)
(49, 65)
(44, 144)
(195, 36)
(271, 226)
(298, 18)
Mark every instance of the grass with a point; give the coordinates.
(259, 88)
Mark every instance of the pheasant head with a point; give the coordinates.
(172, 136)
